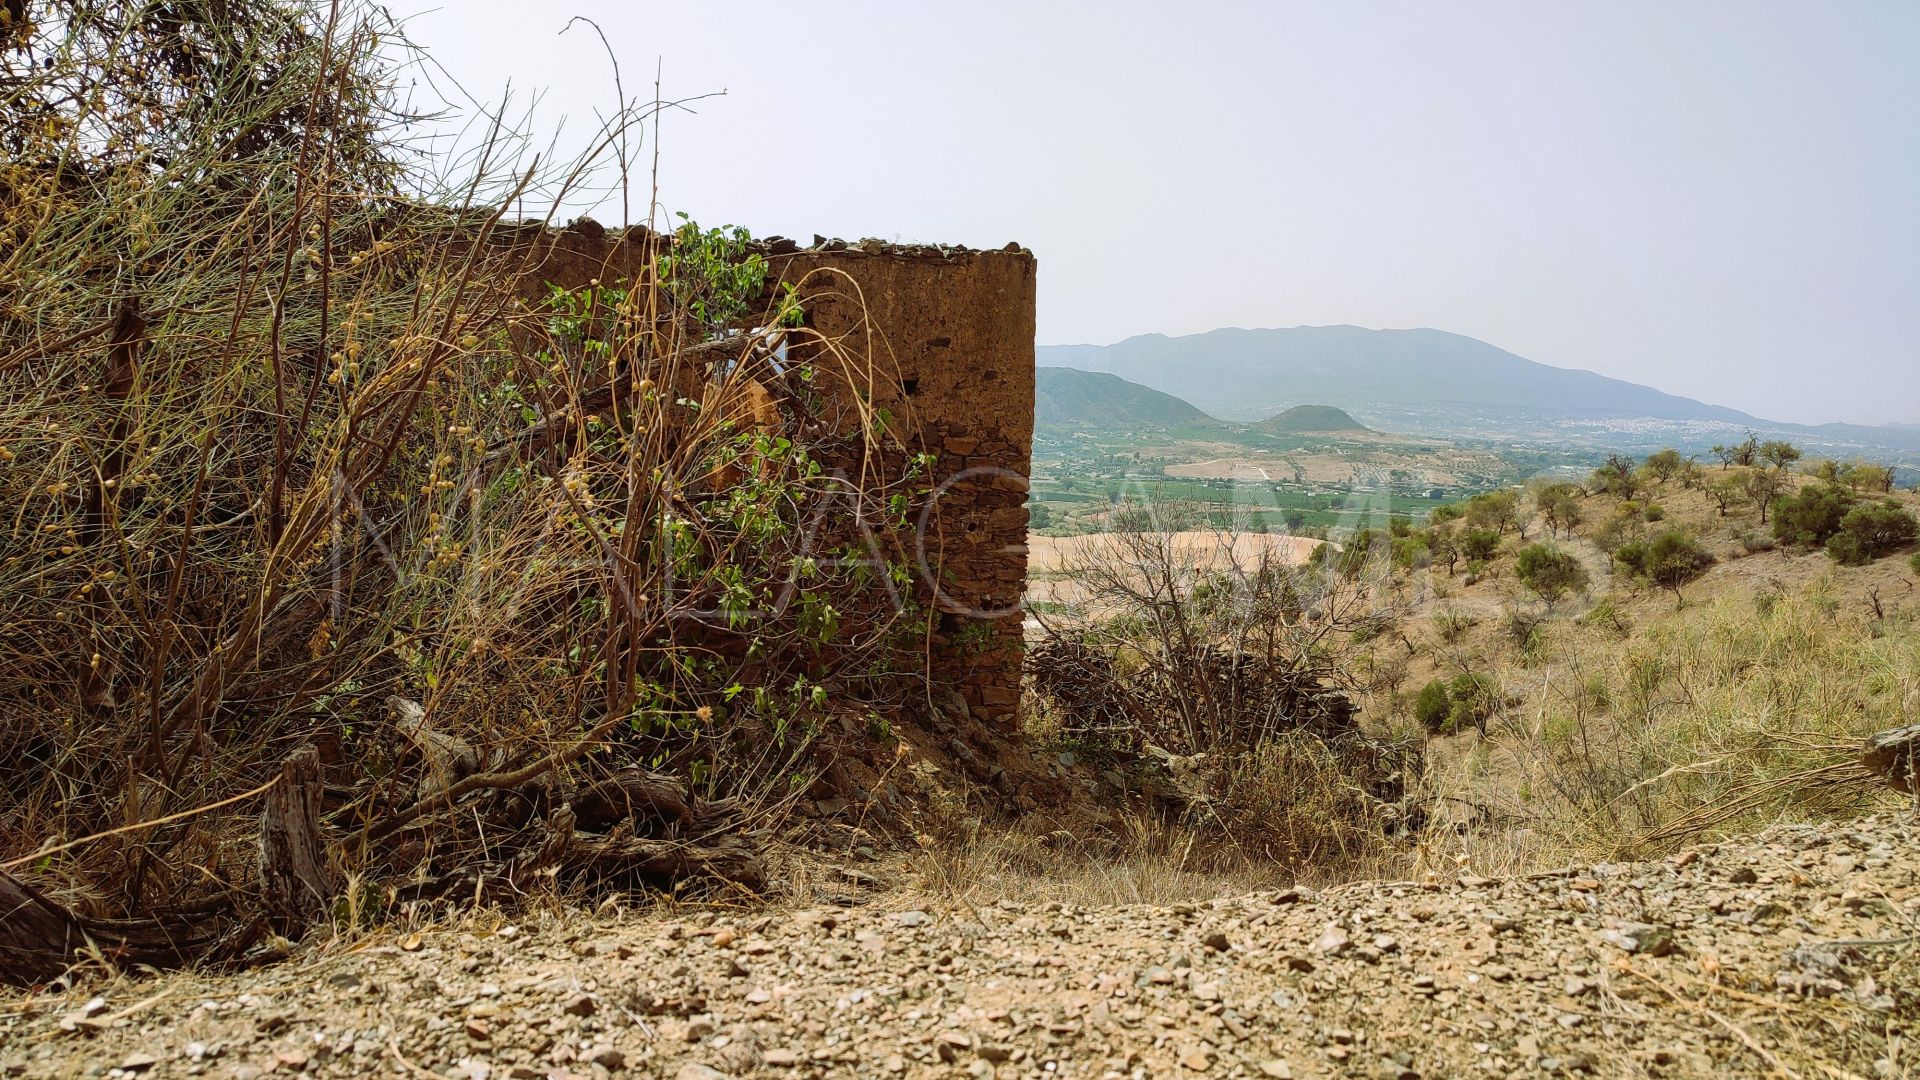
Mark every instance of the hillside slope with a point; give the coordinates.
(1068, 398)
(1308, 419)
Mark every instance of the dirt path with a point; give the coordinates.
(1789, 954)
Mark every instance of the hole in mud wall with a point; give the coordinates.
(989, 375)
(909, 387)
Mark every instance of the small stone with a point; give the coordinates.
(1331, 942)
(913, 918)
(1277, 1069)
(1196, 1059)
(478, 1031)
(608, 1058)
(693, 1070)
(411, 943)
(77, 1022)
(291, 1060)
(581, 1005)
(1216, 941)
(138, 1062)
(1645, 939)
(1206, 991)
(782, 1057)
(1744, 876)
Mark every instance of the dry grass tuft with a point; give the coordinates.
(1151, 862)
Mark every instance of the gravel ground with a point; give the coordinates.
(1788, 954)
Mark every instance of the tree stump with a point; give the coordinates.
(294, 883)
(1891, 754)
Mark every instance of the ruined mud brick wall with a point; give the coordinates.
(957, 326)
(949, 333)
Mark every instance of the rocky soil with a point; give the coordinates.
(1789, 954)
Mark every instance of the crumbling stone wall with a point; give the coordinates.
(948, 336)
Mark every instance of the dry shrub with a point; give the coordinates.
(291, 429)
(1209, 670)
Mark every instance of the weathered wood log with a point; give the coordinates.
(295, 886)
(733, 858)
(1891, 754)
(41, 938)
(629, 793)
(37, 936)
(449, 758)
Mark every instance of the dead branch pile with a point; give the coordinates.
(1208, 669)
(1258, 696)
(1890, 754)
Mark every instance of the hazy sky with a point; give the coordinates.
(1718, 199)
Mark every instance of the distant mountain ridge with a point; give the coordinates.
(1241, 374)
(1423, 380)
(1066, 398)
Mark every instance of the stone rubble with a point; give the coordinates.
(1792, 951)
